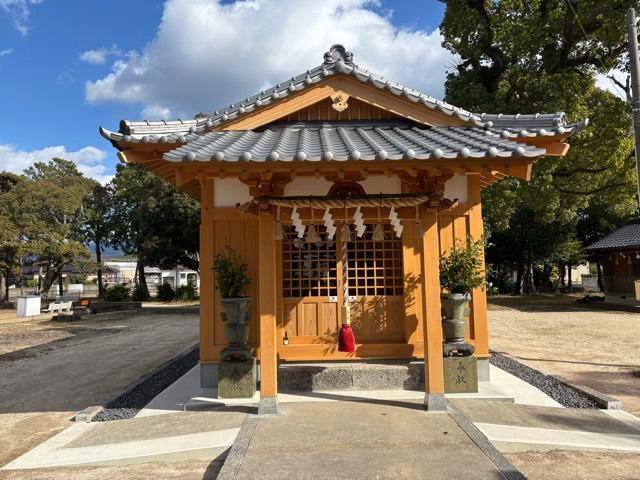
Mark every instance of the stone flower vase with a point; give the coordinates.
(454, 326)
(236, 315)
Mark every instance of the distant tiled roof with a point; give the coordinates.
(338, 60)
(374, 140)
(625, 238)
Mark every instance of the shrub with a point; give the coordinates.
(231, 273)
(140, 293)
(166, 293)
(117, 293)
(33, 283)
(187, 292)
(461, 270)
(77, 278)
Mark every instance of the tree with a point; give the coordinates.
(527, 57)
(45, 210)
(95, 226)
(9, 237)
(153, 220)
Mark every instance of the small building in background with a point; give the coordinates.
(620, 257)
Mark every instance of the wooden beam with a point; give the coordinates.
(207, 276)
(479, 295)
(432, 318)
(267, 304)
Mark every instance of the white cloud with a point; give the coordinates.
(6, 51)
(18, 10)
(100, 55)
(206, 55)
(604, 82)
(90, 160)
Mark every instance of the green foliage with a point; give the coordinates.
(187, 292)
(527, 57)
(117, 293)
(78, 278)
(152, 220)
(43, 208)
(166, 293)
(231, 273)
(32, 283)
(461, 270)
(140, 293)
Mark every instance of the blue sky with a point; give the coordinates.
(69, 66)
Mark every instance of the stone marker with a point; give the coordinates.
(460, 375)
(237, 378)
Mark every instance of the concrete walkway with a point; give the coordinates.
(358, 438)
(517, 428)
(201, 437)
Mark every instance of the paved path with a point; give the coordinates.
(358, 439)
(517, 428)
(57, 369)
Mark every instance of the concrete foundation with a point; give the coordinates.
(209, 375)
(268, 406)
(484, 372)
(435, 402)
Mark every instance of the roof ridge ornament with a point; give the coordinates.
(336, 53)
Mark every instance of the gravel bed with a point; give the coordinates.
(140, 394)
(561, 392)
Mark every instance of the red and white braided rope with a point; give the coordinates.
(345, 284)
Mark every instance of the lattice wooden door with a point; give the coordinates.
(312, 294)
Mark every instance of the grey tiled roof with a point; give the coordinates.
(380, 140)
(625, 238)
(338, 60)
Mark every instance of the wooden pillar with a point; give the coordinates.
(267, 288)
(432, 317)
(207, 285)
(479, 295)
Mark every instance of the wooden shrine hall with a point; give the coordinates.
(340, 143)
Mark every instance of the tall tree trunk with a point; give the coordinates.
(562, 275)
(99, 271)
(569, 280)
(517, 290)
(60, 284)
(599, 274)
(50, 276)
(545, 279)
(142, 281)
(4, 282)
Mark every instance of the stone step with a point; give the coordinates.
(350, 376)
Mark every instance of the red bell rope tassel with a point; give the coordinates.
(346, 339)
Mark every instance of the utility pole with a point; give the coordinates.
(632, 35)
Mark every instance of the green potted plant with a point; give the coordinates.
(460, 272)
(231, 281)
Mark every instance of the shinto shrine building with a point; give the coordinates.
(335, 132)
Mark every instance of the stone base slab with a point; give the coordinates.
(237, 379)
(460, 375)
(354, 376)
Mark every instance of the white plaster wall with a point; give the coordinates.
(457, 188)
(307, 186)
(381, 184)
(227, 192)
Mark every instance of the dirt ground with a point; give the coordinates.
(50, 370)
(596, 348)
